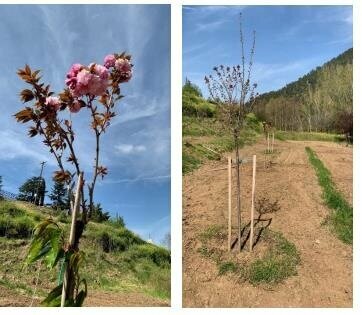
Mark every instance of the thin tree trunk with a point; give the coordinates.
(238, 190)
(68, 283)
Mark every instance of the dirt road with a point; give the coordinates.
(325, 273)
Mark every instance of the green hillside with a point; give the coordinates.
(319, 101)
(117, 260)
(203, 136)
(317, 106)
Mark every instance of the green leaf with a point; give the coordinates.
(61, 270)
(47, 242)
(54, 297)
(56, 248)
(81, 295)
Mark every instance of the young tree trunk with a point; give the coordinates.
(236, 139)
(68, 282)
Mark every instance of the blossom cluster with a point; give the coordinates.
(93, 80)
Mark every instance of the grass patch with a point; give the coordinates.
(116, 259)
(14, 221)
(341, 218)
(308, 136)
(212, 232)
(278, 261)
(202, 137)
(227, 266)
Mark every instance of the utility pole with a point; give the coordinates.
(39, 180)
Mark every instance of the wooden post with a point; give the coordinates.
(273, 142)
(268, 143)
(72, 233)
(252, 205)
(229, 204)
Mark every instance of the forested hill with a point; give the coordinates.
(319, 101)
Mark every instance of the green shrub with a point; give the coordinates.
(112, 239)
(19, 227)
(64, 217)
(253, 123)
(226, 267)
(7, 207)
(112, 242)
(307, 136)
(158, 255)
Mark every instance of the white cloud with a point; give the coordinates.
(262, 71)
(130, 148)
(157, 178)
(12, 146)
(205, 11)
(211, 26)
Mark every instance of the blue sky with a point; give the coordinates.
(136, 148)
(290, 40)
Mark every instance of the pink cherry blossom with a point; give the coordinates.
(124, 67)
(101, 71)
(109, 61)
(53, 101)
(71, 80)
(89, 81)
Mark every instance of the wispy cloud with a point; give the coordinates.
(158, 178)
(130, 148)
(11, 147)
(194, 48)
(210, 26)
(263, 71)
(205, 11)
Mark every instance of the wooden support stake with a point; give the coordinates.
(268, 143)
(273, 142)
(72, 234)
(252, 205)
(229, 204)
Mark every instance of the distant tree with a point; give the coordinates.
(166, 241)
(191, 88)
(59, 195)
(1, 187)
(313, 102)
(33, 190)
(119, 221)
(344, 124)
(100, 215)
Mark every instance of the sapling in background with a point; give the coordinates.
(231, 89)
(96, 89)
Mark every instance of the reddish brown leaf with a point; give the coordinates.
(25, 115)
(62, 176)
(26, 95)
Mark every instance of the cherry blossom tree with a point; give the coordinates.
(96, 89)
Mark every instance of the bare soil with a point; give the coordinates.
(94, 298)
(324, 276)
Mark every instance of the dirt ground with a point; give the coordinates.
(324, 276)
(95, 298)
